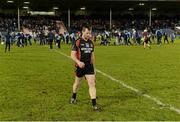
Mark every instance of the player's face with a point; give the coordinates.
(86, 34)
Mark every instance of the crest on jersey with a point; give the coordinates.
(87, 45)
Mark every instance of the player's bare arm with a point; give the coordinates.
(75, 59)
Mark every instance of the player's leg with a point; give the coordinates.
(92, 89)
(76, 85)
(9, 46)
(91, 84)
(51, 43)
(144, 44)
(59, 42)
(77, 82)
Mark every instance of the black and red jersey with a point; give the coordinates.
(84, 50)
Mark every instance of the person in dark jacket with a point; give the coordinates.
(51, 38)
(8, 39)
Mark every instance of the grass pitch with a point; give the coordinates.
(36, 83)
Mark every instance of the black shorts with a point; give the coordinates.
(87, 70)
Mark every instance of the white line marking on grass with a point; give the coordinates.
(170, 107)
(140, 93)
(62, 53)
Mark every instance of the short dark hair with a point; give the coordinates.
(86, 26)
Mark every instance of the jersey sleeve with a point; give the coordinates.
(75, 45)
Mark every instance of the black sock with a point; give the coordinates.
(74, 95)
(93, 102)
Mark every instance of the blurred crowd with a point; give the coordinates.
(124, 31)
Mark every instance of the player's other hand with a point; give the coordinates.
(81, 64)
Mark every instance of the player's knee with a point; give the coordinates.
(91, 83)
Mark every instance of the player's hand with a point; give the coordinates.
(81, 64)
